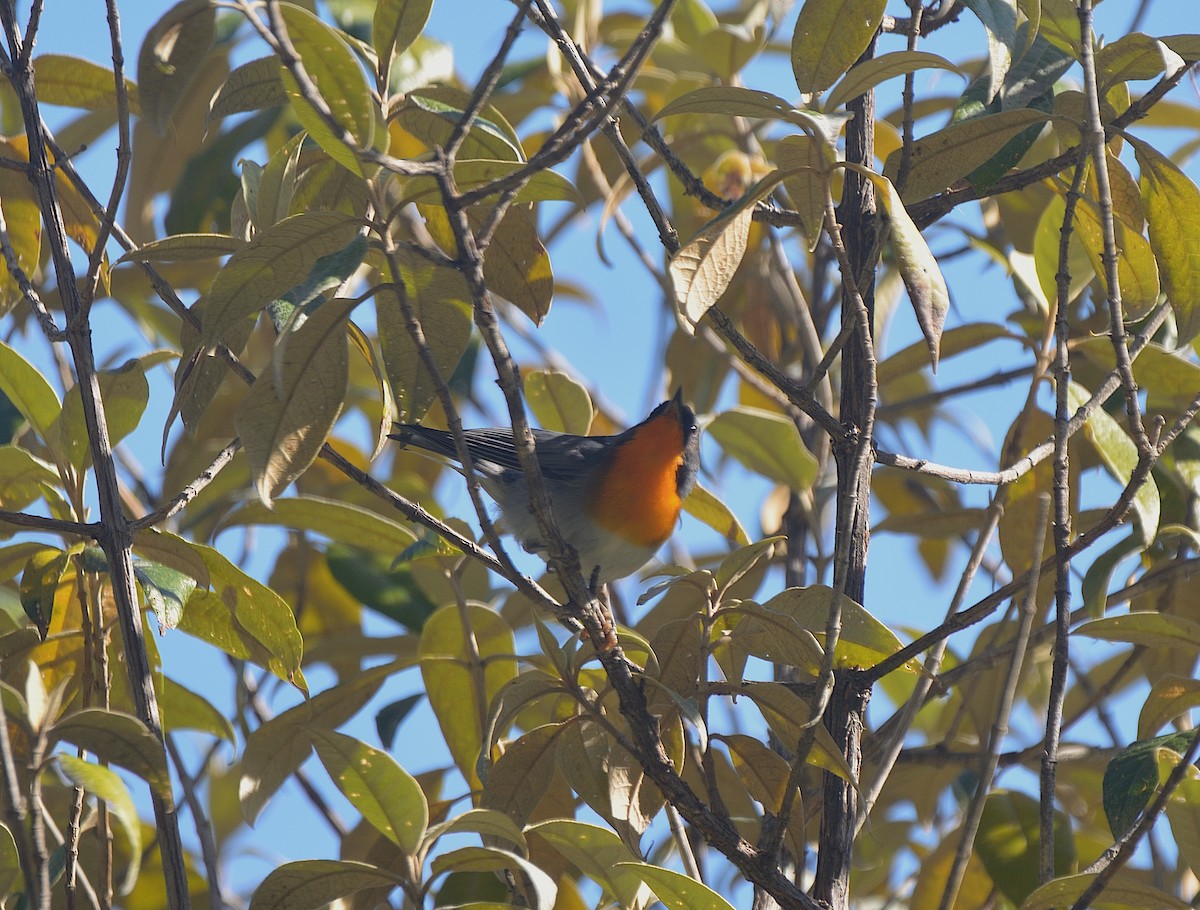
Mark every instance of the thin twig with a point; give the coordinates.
(1096, 143)
(1061, 486)
(999, 730)
(116, 537)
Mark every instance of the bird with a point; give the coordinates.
(616, 499)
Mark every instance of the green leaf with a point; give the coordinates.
(767, 443)
(1137, 269)
(24, 479)
(785, 712)
(769, 635)
(451, 685)
(184, 248)
(118, 738)
(258, 611)
(479, 821)
(1132, 778)
(598, 853)
(864, 640)
(267, 267)
(25, 387)
(76, 82)
(337, 520)
(375, 580)
(389, 718)
(1121, 891)
(703, 505)
(517, 266)
(39, 585)
(1008, 842)
(676, 890)
(558, 401)
(1119, 454)
(387, 796)
(171, 55)
(285, 419)
(999, 18)
(342, 84)
(107, 786)
(1099, 574)
(958, 340)
(441, 302)
(761, 768)
(328, 273)
(432, 113)
(10, 861)
(941, 158)
(866, 75)
(1155, 630)
(518, 780)
(1172, 203)
(395, 26)
(810, 163)
(250, 87)
(1135, 57)
(829, 37)
(312, 883)
(543, 891)
(738, 101)
(1170, 697)
(470, 175)
(183, 709)
(281, 745)
(166, 591)
(124, 392)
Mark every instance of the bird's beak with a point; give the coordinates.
(677, 399)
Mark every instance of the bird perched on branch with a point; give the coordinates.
(616, 499)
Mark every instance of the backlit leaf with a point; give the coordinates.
(387, 796)
(558, 401)
(341, 82)
(107, 786)
(868, 74)
(170, 58)
(829, 37)
(676, 890)
(767, 443)
(1172, 203)
(276, 749)
(312, 883)
(451, 684)
(1119, 454)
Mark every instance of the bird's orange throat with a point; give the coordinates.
(638, 498)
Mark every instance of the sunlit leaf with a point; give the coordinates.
(558, 401)
(676, 890)
(767, 443)
(387, 796)
(312, 883)
(829, 37)
(276, 749)
(1119, 454)
(451, 683)
(341, 83)
(118, 738)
